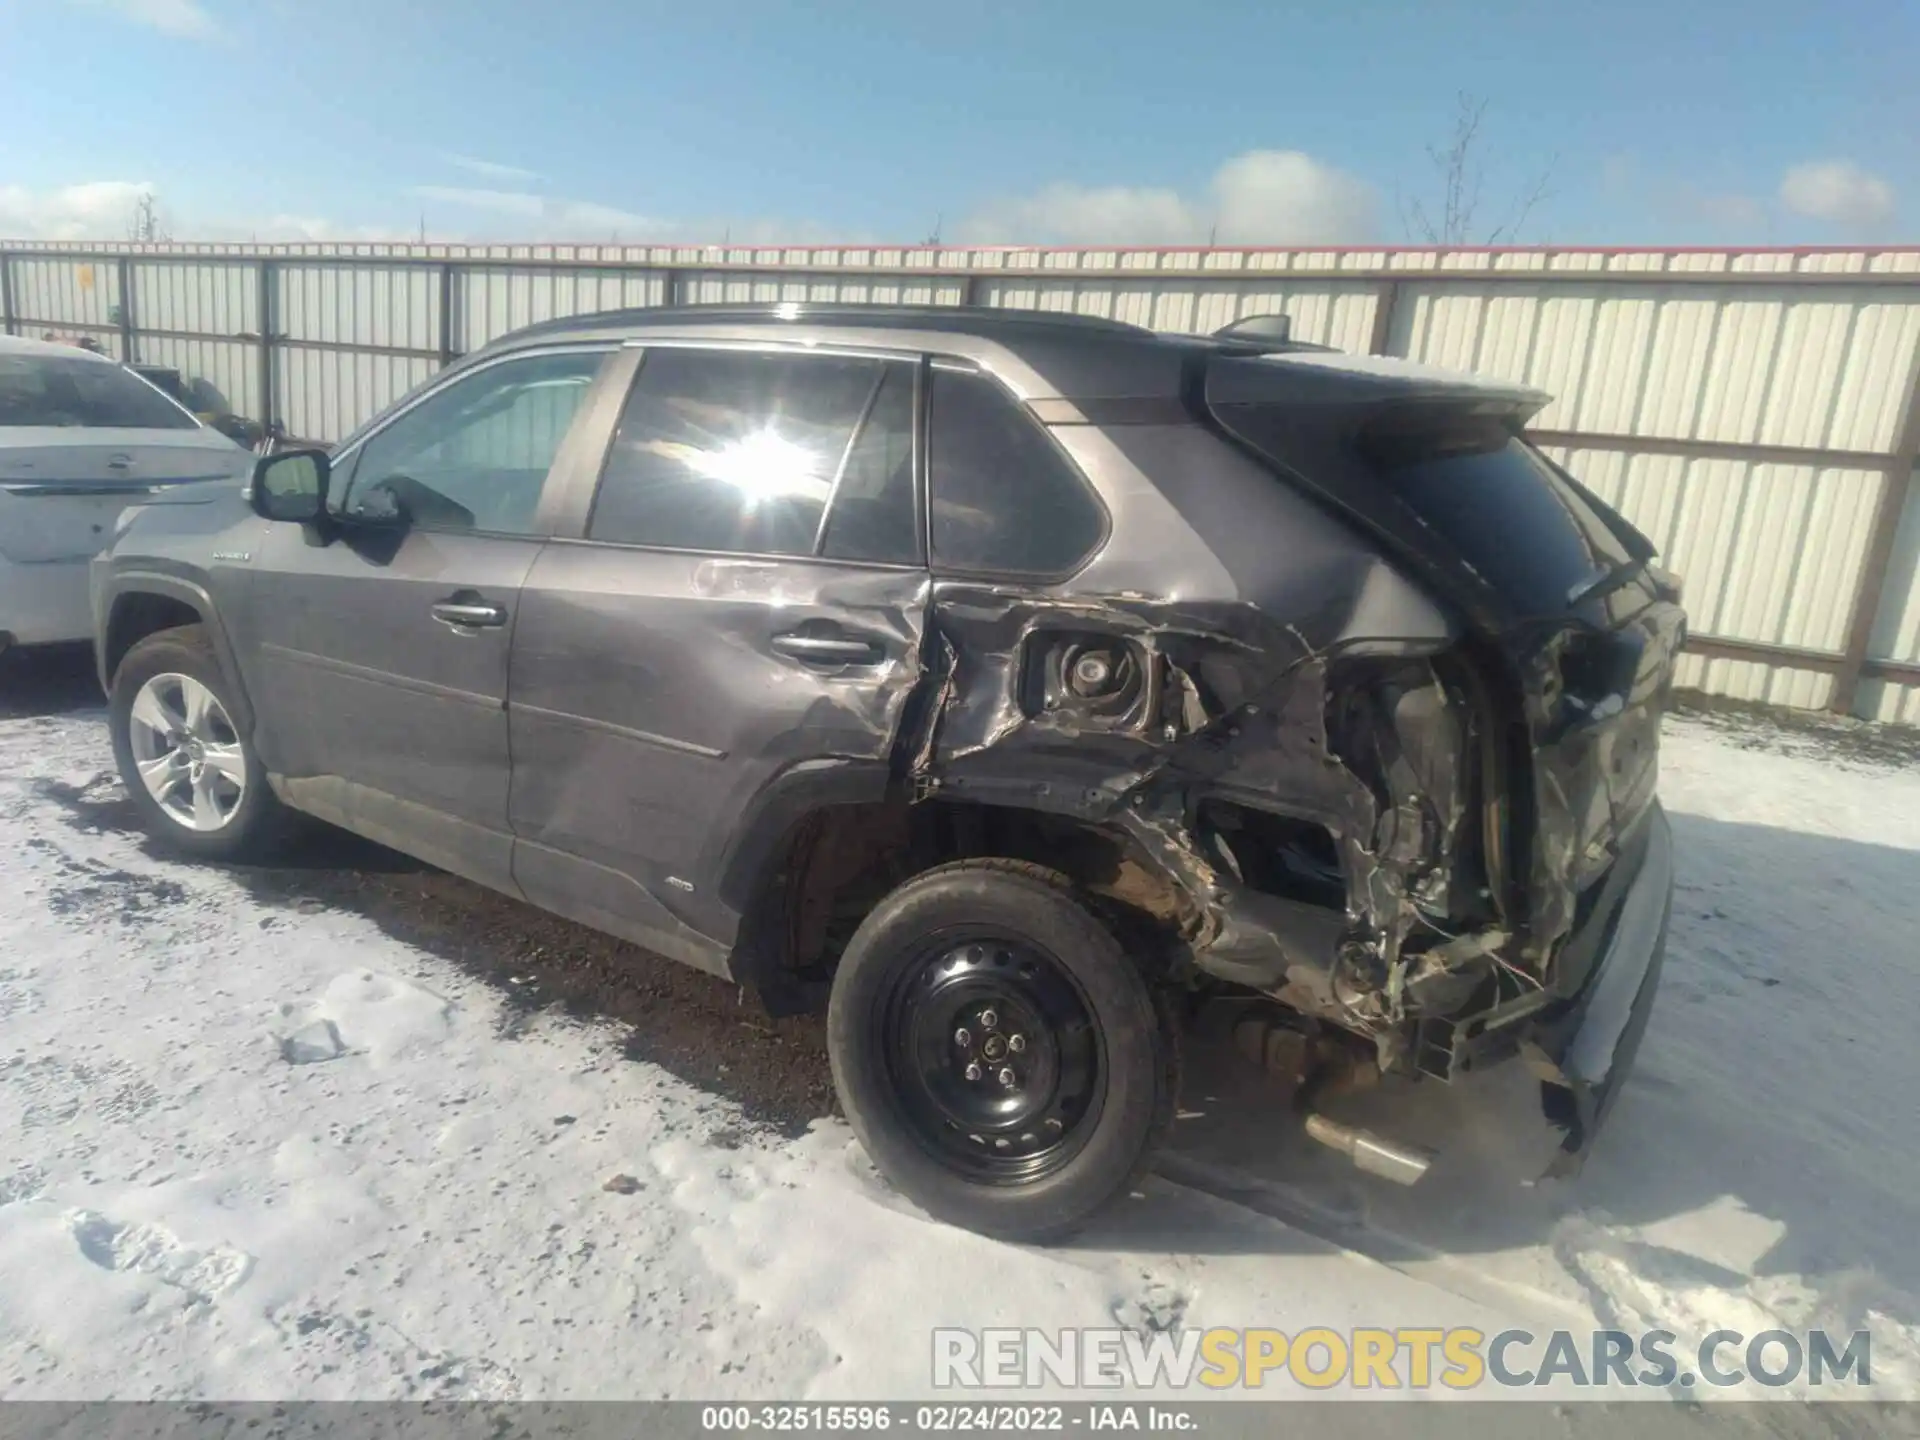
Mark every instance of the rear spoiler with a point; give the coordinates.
(1369, 388)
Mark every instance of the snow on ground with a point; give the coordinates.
(260, 1150)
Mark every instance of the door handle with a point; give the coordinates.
(470, 613)
(827, 649)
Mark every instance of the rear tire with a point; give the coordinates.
(998, 1053)
(195, 779)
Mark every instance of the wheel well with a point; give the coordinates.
(136, 615)
(839, 861)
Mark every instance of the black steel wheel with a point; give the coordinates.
(995, 1055)
(998, 1054)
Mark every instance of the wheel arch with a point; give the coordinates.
(826, 867)
(144, 604)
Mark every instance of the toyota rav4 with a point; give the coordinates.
(1008, 683)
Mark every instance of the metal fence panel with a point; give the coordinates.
(734, 288)
(1681, 363)
(1321, 312)
(492, 301)
(367, 307)
(68, 299)
(1896, 636)
(1767, 553)
(197, 297)
(1745, 408)
(324, 394)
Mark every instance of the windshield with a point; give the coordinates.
(52, 390)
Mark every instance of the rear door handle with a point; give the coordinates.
(470, 613)
(828, 649)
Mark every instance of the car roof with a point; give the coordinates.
(1056, 354)
(24, 345)
(788, 314)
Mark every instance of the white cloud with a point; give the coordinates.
(1264, 197)
(1282, 197)
(99, 210)
(104, 210)
(298, 227)
(489, 169)
(1075, 213)
(187, 18)
(554, 219)
(497, 202)
(1837, 191)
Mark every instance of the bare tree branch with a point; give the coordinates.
(1462, 177)
(146, 226)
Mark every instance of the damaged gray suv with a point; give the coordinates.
(1012, 684)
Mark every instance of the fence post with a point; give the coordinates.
(670, 288)
(1385, 299)
(446, 313)
(126, 310)
(1871, 592)
(973, 291)
(6, 294)
(264, 302)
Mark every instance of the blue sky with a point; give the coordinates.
(1072, 121)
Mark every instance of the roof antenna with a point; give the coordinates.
(1277, 328)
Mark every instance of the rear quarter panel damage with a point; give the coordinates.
(1227, 614)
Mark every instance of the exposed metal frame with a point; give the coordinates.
(1388, 286)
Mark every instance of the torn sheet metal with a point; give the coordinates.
(1131, 712)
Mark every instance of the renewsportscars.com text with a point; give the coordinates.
(1403, 1358)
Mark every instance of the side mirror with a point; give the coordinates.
(290, 485)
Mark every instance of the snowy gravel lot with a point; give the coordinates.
(255, 1145)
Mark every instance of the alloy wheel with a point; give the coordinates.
(187, 752)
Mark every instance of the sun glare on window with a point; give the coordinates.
(765, 466)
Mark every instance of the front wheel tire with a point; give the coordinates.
(195, 779)
(998, 1053)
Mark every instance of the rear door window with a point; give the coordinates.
(750, 453)
(1005, 498)
(77, 393)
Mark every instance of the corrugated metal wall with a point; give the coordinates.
(1750, 410)
(1896, 631)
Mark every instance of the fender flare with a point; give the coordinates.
(125, 583)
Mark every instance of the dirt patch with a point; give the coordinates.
(89, 888)
(699, 1028)
(702, 1029)
(1752, 726)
